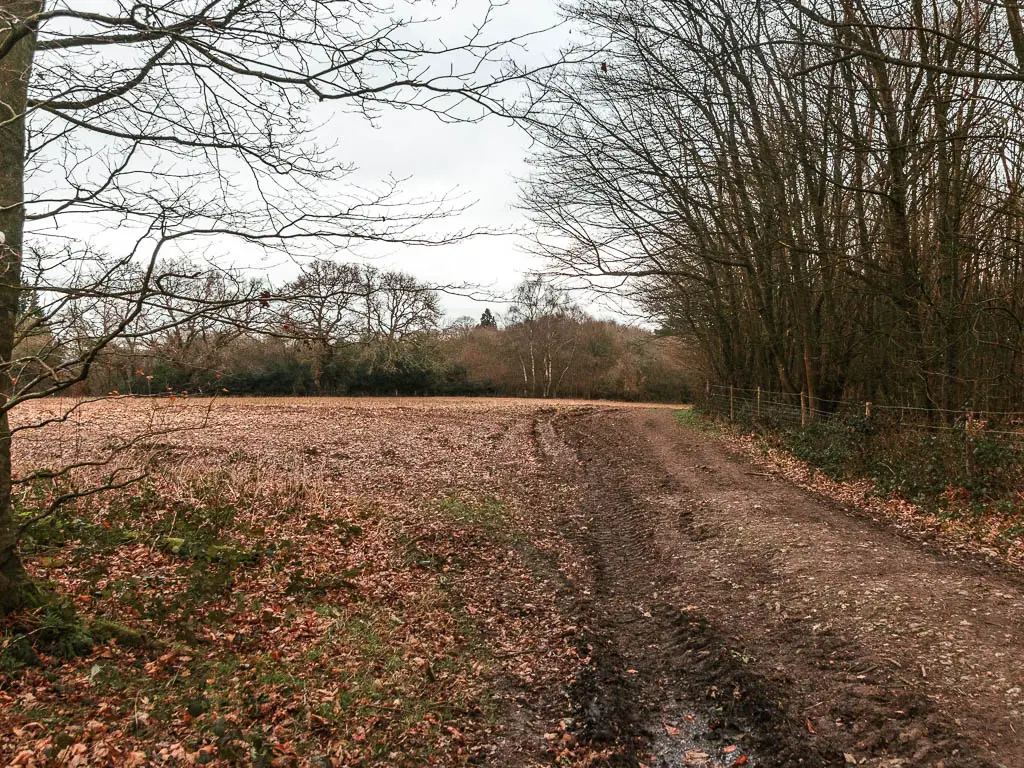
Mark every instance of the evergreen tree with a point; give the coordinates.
(487, 319)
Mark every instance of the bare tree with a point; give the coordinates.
(321, 307)
(136, 133)
(824, 198)
(544, 326)
(200, 311)
(398, 305)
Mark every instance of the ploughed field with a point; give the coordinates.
(487, 582)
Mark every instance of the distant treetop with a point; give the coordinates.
(487, 319)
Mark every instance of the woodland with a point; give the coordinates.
(347, 329)
(821, 196)
(235, 531)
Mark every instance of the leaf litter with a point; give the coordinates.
(309, 582)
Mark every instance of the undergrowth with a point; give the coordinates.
(949, 470)
(941, 470)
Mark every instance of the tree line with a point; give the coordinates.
(821, 196)
(348, 329)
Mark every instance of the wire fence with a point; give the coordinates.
(786, 410)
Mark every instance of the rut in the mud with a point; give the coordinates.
(737, 615)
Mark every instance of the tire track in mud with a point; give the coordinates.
(690, 655)
(629, 703)
(604, 694)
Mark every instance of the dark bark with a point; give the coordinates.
(15, 67)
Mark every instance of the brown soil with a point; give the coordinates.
(732, 610)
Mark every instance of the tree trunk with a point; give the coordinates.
(14, 74)
(533, 369)
(1013, 21)
(322, 355)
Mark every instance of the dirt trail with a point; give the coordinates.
(734, 614)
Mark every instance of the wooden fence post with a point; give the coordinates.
(732, 405)
(803, 408)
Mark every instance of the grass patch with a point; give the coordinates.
(701, 421)
(487, 512)
(686, 417)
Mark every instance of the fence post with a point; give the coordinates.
(803, 408)
(758, 403)
(732, 406)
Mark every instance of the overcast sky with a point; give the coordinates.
(480, 161)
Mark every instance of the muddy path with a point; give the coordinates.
(734, 619)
